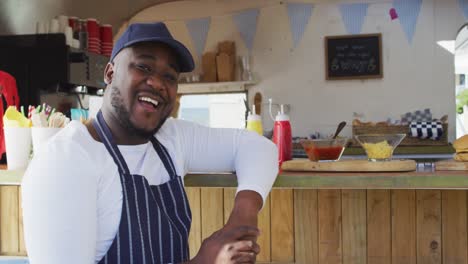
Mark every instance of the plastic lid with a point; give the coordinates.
(281, 117)
(254, 117)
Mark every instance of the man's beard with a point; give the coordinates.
(123, 116)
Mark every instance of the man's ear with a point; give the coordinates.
(109, 73)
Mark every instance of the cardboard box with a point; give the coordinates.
(228, 48)
(209, 67)
(224, 65)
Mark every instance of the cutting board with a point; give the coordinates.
(451, 165)
(349, 165)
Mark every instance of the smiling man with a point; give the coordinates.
(111, 191)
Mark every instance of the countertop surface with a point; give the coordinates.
(424, 178)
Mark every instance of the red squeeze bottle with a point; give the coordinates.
(282, 136)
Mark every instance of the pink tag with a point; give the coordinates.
(393, 14)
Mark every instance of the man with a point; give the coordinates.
(111, 191)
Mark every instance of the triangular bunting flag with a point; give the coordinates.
(464, 7)
(408, 12)
(353, 16)
(246, 22)
(299, 14)
(198, 29)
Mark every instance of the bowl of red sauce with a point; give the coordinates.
(324, 149)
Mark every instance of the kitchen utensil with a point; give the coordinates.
(340, 127)
(349, 165)
(451, 165)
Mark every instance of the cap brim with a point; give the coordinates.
(184, 56)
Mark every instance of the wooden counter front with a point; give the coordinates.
(417, 217)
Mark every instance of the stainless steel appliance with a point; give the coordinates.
(43, 63)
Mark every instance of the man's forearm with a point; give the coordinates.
(246, 208)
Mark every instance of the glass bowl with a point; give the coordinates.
(379, 147)
(324, 149)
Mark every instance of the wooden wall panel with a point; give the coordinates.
(195, 236)
(429, 226)
(454, 227)
(9, 220)
(324, 226)
(329, 222)
(212, 211)
(282, 225)
(22, 245)
(353, 206)
(379, 239)
(306, 226)
(264, 240)
(403, 227)
(229, 195)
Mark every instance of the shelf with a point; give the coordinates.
(214, 87)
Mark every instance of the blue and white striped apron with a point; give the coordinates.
(155, 220)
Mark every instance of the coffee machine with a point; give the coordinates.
(43, 66)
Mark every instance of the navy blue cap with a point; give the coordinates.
(154, 32)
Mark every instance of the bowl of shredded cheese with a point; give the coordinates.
(379, 147)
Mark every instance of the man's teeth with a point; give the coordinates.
(149, 100)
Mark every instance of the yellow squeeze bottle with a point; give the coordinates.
(254, 122)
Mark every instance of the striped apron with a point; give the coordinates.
(155, 220)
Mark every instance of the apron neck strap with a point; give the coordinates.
(164, 156)
(106, 137)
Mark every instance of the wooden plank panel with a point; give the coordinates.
(264, 240)
(378, 227)
(353, 206)
(282, 225)
(379, 238)
(9, 216)
(195, 236)
(22, 245)
(454, 227)
(306, 226)
(329, 222)
(229, 196)
(403, 226)
(212, 211)
(429, 226)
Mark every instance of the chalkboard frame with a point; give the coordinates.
(379, 75)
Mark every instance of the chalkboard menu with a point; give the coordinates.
(353, 57)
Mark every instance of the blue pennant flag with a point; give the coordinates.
(464, 7)
(408, 12)
(353, 16)
(246, 22)
(198, 29)
(299, 14)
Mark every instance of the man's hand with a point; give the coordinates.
(226, 246)
(236, 242)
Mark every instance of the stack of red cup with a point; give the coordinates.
(106, 40)
(94, 39)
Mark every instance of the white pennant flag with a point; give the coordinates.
(464, 7)
(198, 29)
(299, 14)
(353, 16)
(246, 22)
(408, 12)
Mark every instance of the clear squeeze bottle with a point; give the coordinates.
(254, 122)
(282, 136)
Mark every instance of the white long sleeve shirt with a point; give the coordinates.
(72, 196)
